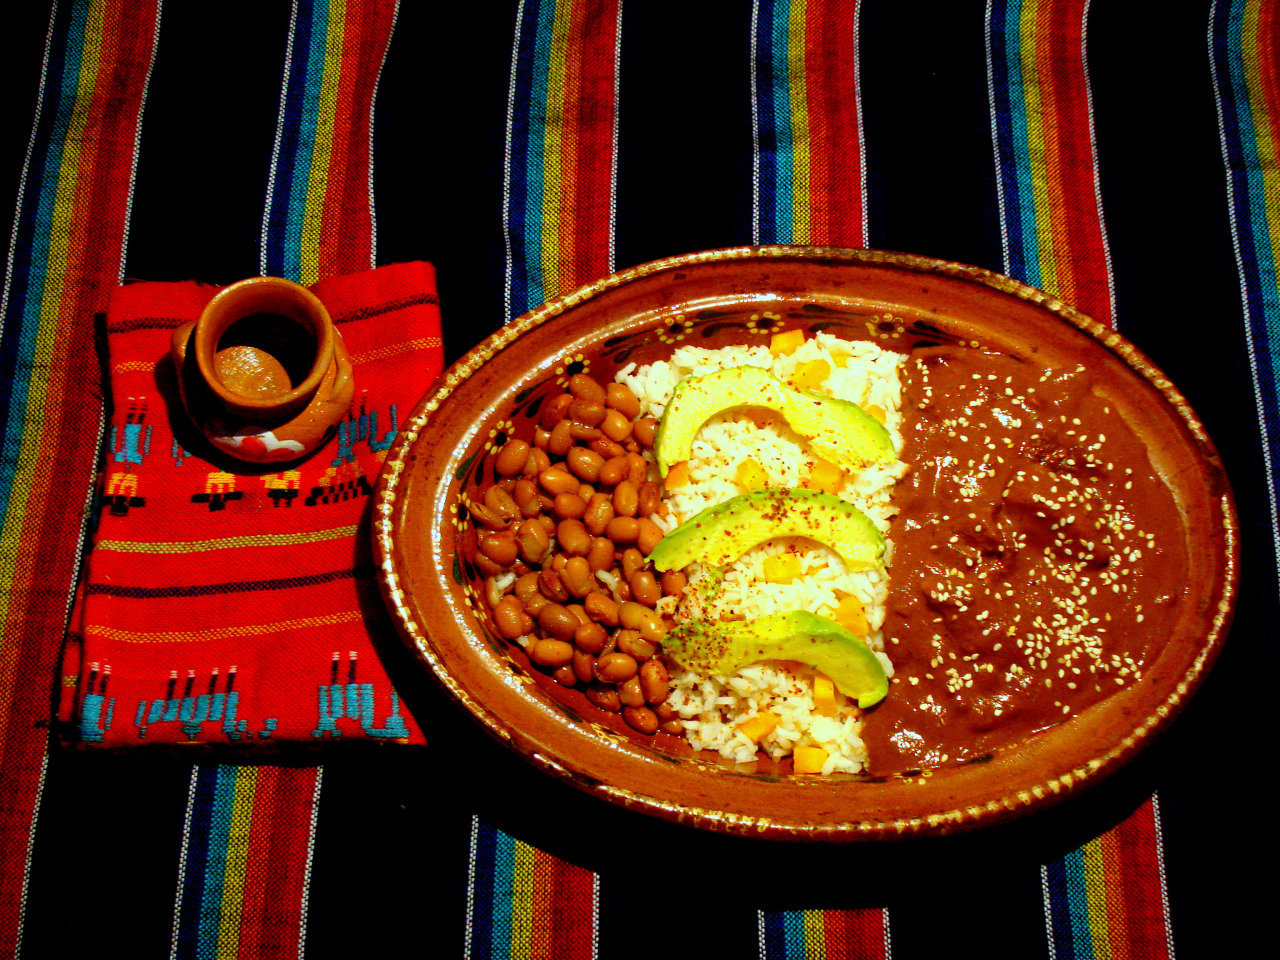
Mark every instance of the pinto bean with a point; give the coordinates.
(573, 537)
(601, 607)
(654, 681)
(615, 426)
(620, 397)
(645, 430)
(641, 719)
(531, 536)
(600, 555)
(605, 696)
(630, 694)
(591, 638)
(499, 546)
(577, 577)
(555, 410)
(511, 458)
(590, 413)
(551, 653)
(616, 668)
(510, 618)
(561, 440)
(558, 622)
(582, 386)
(648, 535)
(584, 463)
(645, 588)
(567, 505)
(623, 530)
(613, 471)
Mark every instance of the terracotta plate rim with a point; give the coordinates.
(960, 817)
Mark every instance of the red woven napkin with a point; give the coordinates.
(233, 603)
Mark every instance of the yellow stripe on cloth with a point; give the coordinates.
(226, 543)
(222, 633)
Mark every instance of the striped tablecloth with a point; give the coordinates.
(1121, 156)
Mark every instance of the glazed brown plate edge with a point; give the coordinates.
(645, 310)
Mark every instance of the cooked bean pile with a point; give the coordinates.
(562, 540)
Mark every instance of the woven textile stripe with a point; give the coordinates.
(561, 148)
(1107, 899)
(810, 187)
(1244, 46)
(1052, 226)
(824, 934)
(558, 223)
(808, 165)
(64, 257)
(243, 823)
(319, 217)
(525, 903)
(1054, 238)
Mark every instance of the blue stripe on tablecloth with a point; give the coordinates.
(1250, 226)
(1058, 908)
(482, 921)
(527, 149)
(196, 862)
(1016, 179)
(774, 136)
(295, 141)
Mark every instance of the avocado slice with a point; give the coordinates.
(836, 430)
(724, 532)
(724, 647)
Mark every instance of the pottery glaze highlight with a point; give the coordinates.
(264, 373)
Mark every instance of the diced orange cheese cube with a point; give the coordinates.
(678, 475)
(761, 725)
(810, 374)
(874, 410)
(781, 569)
(808, 759)
(851, 615)
(786, 342)
(826, 477)
(824, 695)
(750, 475)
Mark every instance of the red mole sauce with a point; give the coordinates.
(1036, 562)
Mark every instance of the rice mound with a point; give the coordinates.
(712, 707)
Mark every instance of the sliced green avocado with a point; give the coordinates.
(724, 532)
(837, 430)
(724, 647)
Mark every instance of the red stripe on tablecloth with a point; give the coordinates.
(835, 160)
(346, 241)
(590, 67)
(67, 427)
(854, 934)
(1131, 853)
(272, 912)
(1075, 219)
(564, 913)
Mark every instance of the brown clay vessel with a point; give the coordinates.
(264, 372)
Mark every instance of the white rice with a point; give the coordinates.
(712, 708)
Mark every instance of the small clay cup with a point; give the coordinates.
(264, 373)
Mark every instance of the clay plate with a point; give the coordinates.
(735, 296)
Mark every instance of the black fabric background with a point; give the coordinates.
(390, 861)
